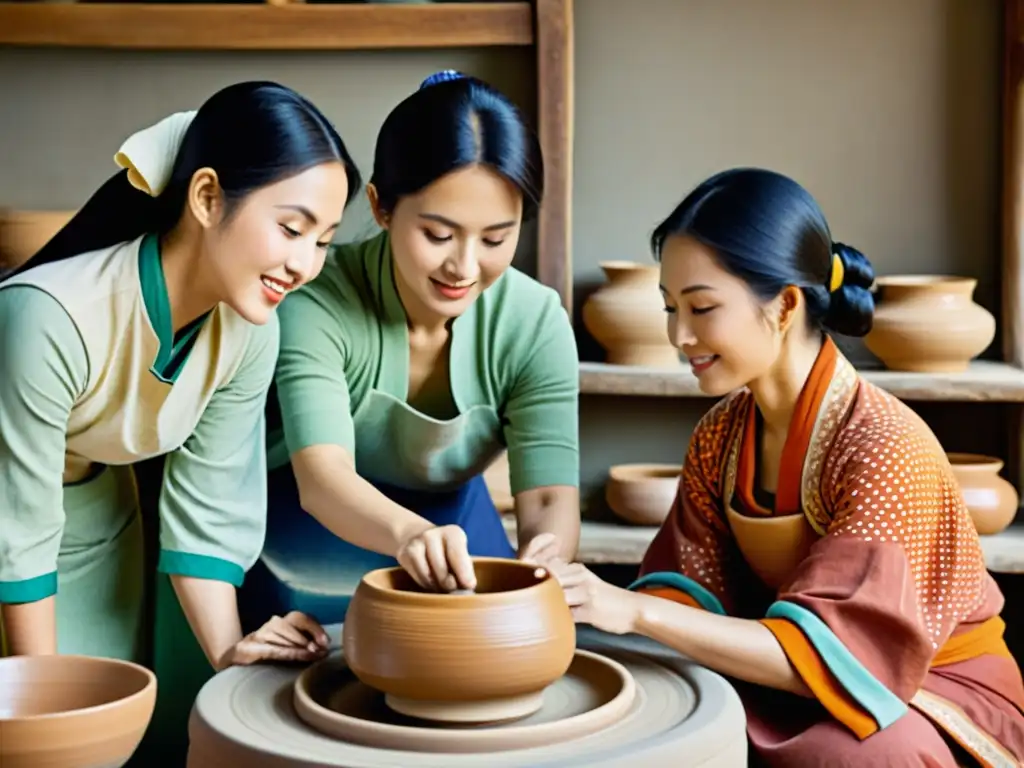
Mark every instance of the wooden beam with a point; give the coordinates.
(265, 26)
(554, 34)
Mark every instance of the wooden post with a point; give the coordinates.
(1012, 270)
(554, 34)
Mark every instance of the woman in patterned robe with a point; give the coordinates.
(819, 551)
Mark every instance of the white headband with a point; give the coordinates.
(149, 154)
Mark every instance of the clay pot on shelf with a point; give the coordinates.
(481, 657)
(929, 324)
(72, 711)
(626, 317)
(642, 494)
(991, 500)
(22, 233)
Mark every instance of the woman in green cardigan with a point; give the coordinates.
(412, 361)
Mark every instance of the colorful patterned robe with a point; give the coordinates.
(885, 610)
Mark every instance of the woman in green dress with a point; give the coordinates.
(412, 361)
(147, 327)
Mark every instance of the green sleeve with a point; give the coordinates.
(542, 413)
(213, 504)
(43, 371)
(312, 391)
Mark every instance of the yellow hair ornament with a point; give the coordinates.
(838, 273)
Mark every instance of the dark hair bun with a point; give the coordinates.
(851, 307)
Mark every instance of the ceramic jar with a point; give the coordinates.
(72, 711)
(627, 316)
(480, 657)
(22, 233)
(991, 500)
(929, 324)
(642, 494)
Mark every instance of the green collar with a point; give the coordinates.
(174, 349)
(393, 376)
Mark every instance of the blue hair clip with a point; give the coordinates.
(444, 76)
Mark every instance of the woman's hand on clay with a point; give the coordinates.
(593, 601)
(294, 637)
(438, 559)
(541, 550)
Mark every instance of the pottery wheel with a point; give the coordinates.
(245, 716)
(594, 693)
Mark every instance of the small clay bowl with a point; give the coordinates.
(642, 494)
(483, 657)
(72, 711)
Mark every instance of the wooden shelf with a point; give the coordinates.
(265, 27)
(610, 543)
(984, 381)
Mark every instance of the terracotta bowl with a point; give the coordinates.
(642, 493)
(72, 711)
(481, 657)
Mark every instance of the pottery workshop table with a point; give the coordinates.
(682, 716)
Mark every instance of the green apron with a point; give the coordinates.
(430, 466)
(399, 446)
(100, 568)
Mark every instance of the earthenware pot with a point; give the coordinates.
(642, 493)
(72, 711)
(929, 323)
(627, 316)
(477, 657)
(991, 500)
(22, 233)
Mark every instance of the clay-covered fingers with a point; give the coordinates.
(251, 651)
(279, 632)
(541, 549)
(437, 561)
(577, 596)
(568, 574)
(310, 627)
(460, 564)
(296, 630)
(413, 558)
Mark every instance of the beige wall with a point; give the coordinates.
(887, 110)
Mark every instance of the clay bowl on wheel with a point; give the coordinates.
(72, 711)
(642, 494)
(483, 657)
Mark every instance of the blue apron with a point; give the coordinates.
(304, 567)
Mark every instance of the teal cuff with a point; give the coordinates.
(200, 567)
(28, 590)
(674, 580)
(879, 701)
